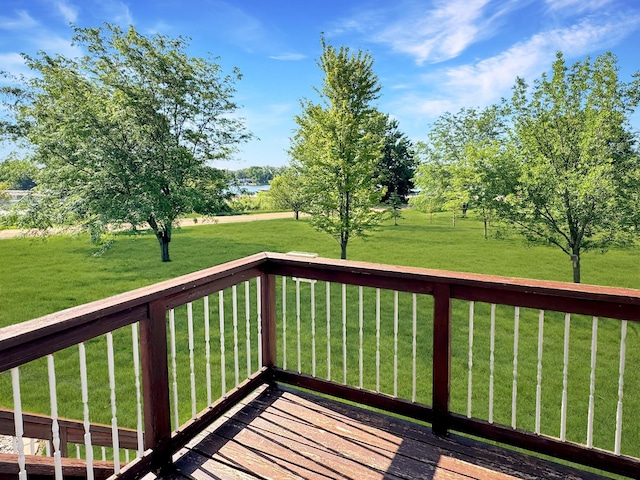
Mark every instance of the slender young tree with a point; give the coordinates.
(338, 145)
(126, 132)
(286, 192)
(571, 139)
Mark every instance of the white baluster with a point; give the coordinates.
(623, 349)
(114, 417)
(259, 320)
(539, 375)
(174, 369)
(297, 280)
(207, 347)
(55, 427)
(136, 373)
(32, 446)
(395, 343)
(126, 455)
(104, 454)
(514, 391)
(234, 296)
(492, 344)
(84, 389)
(378, 340)
(328, 300)
(223, 366)
(360, 324)
(284, 323)
(470, 362)
(313, 328)
(344, 334)
(192, 371)
(247, 313)
(592, 380)
(77, 456)
(17, 420)
(565, 374)
(415, 346)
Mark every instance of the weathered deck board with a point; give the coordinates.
(286, 434)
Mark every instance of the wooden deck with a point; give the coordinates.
(287, 434)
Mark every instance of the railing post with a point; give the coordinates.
(155, 385)
(268, 301)
(441, 357)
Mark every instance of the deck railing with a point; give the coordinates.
(534, 364)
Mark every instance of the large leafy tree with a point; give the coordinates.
(338, 145)
(126, 132)
(398, 165)
(575, 155)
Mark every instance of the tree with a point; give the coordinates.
(572, 143)
(286, 192)
(398, 165)
(460, 162)
(18, 174)
(338, 145)
(394, 207)
(126, 132)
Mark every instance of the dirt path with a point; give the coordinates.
(184, 222)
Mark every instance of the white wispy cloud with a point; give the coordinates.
(13, 63)
(116, 12)
(22, 20)
(577, 6)
(486, 81)
(288, 56)
(432, 34)
(268, 116)
(68, 11)
(441, 33)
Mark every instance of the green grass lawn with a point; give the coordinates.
(39, 277)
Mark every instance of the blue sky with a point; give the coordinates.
(431, 56)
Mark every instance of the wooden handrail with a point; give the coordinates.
(22, 343)
(39, 427)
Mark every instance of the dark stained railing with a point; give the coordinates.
(436, 296)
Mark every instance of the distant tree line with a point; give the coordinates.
(257, 175)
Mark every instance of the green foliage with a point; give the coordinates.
(18, 174)
(287, 192)
(463, 163)
(398, 163)
(575, 157)
(394, 207)
(261, 201)
(337, 146)
(125, 133)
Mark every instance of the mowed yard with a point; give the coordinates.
(42, 276)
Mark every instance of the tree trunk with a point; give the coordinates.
(164, 237)
(575, 259)
(343, 250)
(485, 227)
(297, 213)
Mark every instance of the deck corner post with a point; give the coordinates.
(441, 357)
(155, 385)
(268, 300)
